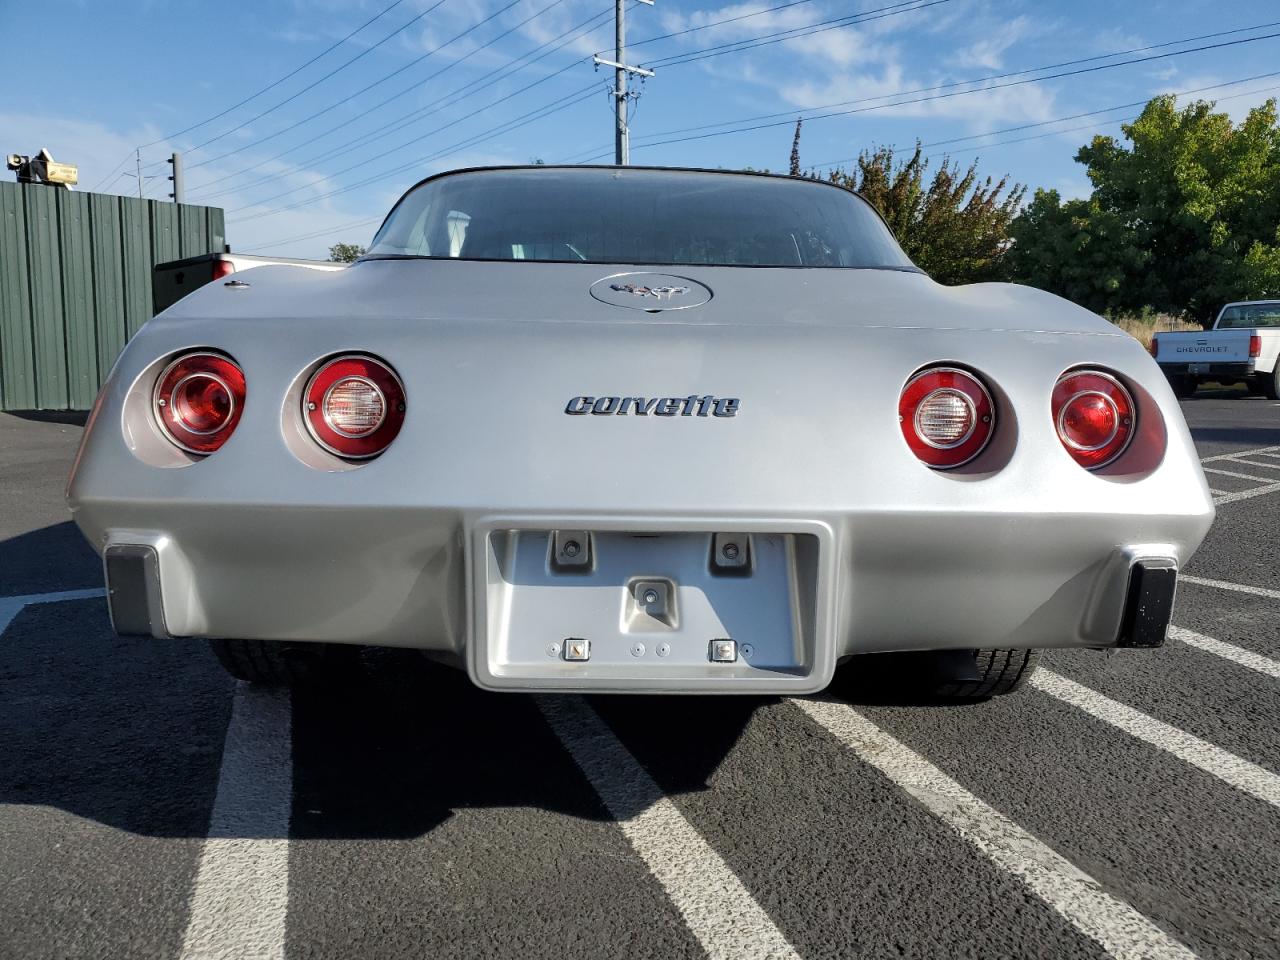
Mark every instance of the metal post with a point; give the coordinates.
(178, 191)
(137, 155)
(621, 152)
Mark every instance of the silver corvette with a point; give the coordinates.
(638, 430)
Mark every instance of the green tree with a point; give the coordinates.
(1077, 250)
(346, 252)
(956, 228)
(1181, 220)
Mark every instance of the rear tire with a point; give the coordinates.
(1271, 382)
(999, 672)
(279, 664)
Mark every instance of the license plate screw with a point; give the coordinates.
(651, 596)
(553, 649)
(664, 649)
(747, 650)
(637, 649)
(730, 551)
(724, 651)
(571, 549)
(575, 649)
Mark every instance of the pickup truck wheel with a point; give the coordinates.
(999, 672)
(281, 664)
(1271, 383)
(1183, 385)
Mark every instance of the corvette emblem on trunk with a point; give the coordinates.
(690, 406)
(658, 293)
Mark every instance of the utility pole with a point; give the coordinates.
(621, 135)
(176, 177)
(137, 159)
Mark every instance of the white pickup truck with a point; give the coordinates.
(172, 281)
(1243, 346)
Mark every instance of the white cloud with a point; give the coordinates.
(988, 51)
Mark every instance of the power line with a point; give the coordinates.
(275, 83)
(793, 33)
(311, 86)
(939, 96)
(444, 102)
(717, 23)
(538, 113)
(791, 114)
(394, 73)
(317, 233)
(1075, 116)
(380, 105)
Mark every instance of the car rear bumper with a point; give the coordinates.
(1234, 369)
(486, 589)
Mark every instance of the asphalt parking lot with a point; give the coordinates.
(150, 807)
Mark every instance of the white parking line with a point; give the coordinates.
(1119, 928)
(1269, 453)
(1227, 767)
(1246, 494)
(1252, 463)
(1228, 651)
(10, 607)
(1238, 476)
(241, 894)
(1237, 587)
(717, 908)
(1266, 451)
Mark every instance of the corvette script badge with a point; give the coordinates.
(658, 293)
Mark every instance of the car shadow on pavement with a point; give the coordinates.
(48, 560)
(397, 753)
(130, 733)
(76, 418)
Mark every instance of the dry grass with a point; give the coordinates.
(1143, 328)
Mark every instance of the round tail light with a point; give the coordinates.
(354, 406)
(1095, 416)
(946, 415)
(198, 401)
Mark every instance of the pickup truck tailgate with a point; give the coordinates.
(1210, 347)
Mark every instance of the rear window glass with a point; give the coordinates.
(635, 216)
(1250, 315)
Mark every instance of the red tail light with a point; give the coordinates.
(198, 401)
(1095, 416)
(1255, 346)
(1155, 347)
(223, 268)
(946, 415)
(354, 406)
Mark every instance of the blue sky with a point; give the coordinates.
(318, 158)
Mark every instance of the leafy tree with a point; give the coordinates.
(1181, 220)
(1077, 250)
(956, 228)
(346, 252)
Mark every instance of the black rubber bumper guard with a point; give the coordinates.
(1148, 607)
(133, 590)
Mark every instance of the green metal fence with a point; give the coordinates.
(75, 284)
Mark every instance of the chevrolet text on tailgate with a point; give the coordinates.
(638, 430)
(1243, 346)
